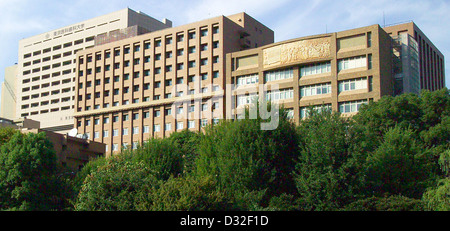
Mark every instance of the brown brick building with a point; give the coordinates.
(338, 71)
(127, 91)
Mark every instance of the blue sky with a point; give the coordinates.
(288, 18)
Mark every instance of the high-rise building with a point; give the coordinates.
(46, 67)
(9, 89)
(412, 40)
(334, 71)
(160, 82)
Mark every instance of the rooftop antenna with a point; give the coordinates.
(384, 20)
(326, 29)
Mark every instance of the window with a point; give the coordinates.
(125, 131)
(135, 130)
(246, 79)
(215, 29)
(204, 32)
(279, 74)
(146, 129)
(115, 147)
(318, 89)
(245, 99)
(304, 111)
(353, 84)
(351, 106)
(180, 110)
(96, 135)
(314, 69)
(180, 37)
(215, 121)
(191, 35)
(105, 133)
(281, 94)
(115, 132)
(125, 117)
(180, 125)
(191, 124)
(353, 62)
(156, 128)
(168, 126)
(204, 122)
(157, 113)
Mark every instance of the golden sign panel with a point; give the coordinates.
(297, 51)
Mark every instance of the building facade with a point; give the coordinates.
(337, 71)
(157, 83)
(9, 89)
(431, 61)
(46, 66)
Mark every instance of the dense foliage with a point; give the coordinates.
(394, 155)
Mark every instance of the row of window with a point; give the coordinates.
(280, 95)
(279, 74)
(318, 89)
(246, 79)
(58, 47)
(136, 88)
(311, 69)
(156, 128)
(344, 107)
(157, 70)
(353, 84)
(354, 62)
(46, 111)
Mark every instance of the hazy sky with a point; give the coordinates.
(287, 18)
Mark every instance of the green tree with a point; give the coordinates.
(438, 198)
(190, 194)
(435, 106)
(323, 174)
(28, 174)
(163, 156)
(6, 133)
(187, 141)
(398, 166)
(119, 185)
(390, 203)
(378, 117)
(250, 165)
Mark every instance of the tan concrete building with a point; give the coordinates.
(46, 66)
(431, 61)
(157, 83)
(338, 71)
(8, 97)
